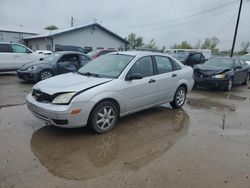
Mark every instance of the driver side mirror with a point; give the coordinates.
(134, 76)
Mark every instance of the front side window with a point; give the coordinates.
(18, 49)
(143, 66)
(164, 64)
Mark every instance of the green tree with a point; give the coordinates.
(51, 27)
(134, 41)
(151, 45)
(197, 44)
(210, 44)
(184, 45)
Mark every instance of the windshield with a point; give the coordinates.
(221, 63)
(110, 66)
(246, 57)
(51, 58)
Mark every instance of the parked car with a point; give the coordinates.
(59, 48)
(194, 58)
(96, 53)
(13, 56)
(246, 58)
(57, 63)
(44, 52)
(221, 72)
(109, 87)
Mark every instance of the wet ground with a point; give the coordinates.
(204, 144)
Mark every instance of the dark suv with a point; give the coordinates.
(194, 58)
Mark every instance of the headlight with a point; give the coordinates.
(32, 68)
(219, 76)
(63, 98)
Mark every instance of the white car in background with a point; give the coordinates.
(111, 86)
(13, 56)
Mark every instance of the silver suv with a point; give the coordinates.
(13, 56)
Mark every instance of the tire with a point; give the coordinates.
(245, 83)
(229, 85)
(103, 117)
(179, 97)
(45, 74)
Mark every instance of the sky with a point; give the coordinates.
(166, 21)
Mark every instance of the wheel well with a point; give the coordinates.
(106, 99)
(185, 86)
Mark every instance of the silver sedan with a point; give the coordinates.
(111, 86)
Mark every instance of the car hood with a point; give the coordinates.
(70, 82)
(210, 70)
(34, 63)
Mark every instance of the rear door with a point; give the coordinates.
(167, 77)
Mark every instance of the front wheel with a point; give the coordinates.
(103, 117)
(45, 74)
(179, 97)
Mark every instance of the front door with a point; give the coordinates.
(140, 93)
(68, 63)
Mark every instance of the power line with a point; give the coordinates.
(183, 24)
(181, 18)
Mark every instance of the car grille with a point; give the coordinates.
(42, 97)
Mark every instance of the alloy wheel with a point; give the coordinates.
(180, 97)
(46, 75)
(105, 117)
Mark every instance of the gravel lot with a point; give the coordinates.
(205, 144)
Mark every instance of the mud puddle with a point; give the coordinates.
(222, 95)
(136, 141)
(209, 104)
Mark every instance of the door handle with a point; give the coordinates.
(174, 75)
(151, 81)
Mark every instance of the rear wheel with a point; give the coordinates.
(45, 74)
(179, 97)
(246, 80)
(103, 117)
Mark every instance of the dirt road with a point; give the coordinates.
(205, 144)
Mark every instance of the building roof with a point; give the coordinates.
(62, 31)
(18, 29)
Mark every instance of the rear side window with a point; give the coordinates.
(194, 57)
(5, 48)
(164, 64)
(18, 49)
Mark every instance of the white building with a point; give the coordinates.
(15, 34)
(93, 36)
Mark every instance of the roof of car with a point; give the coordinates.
(69, 52)
(136, 53)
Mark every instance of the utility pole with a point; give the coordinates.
(236, 29)
(72, 22)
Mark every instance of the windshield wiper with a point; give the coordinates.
(89, 74)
